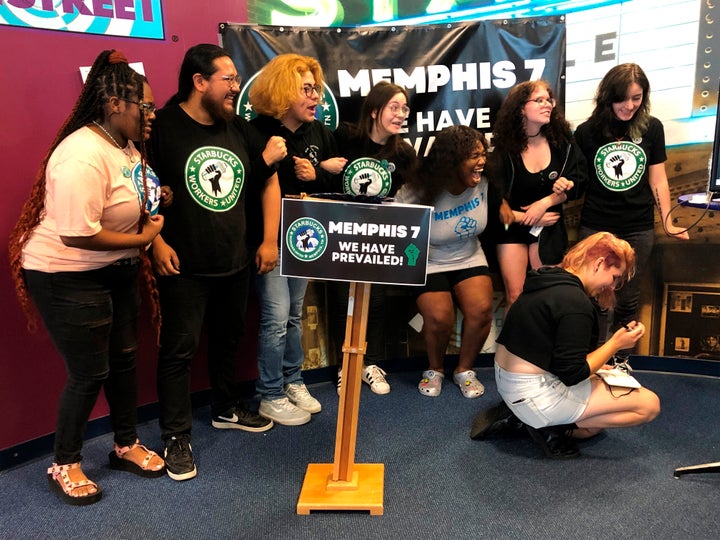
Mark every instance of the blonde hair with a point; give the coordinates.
(614, 250)
(279, 83)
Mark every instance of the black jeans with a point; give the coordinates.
(186, 303)
(92, 319)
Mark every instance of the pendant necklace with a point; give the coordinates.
(127, 151)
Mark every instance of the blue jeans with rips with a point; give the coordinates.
(280, 352)
(91, 317)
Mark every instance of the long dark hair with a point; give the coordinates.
(613, 89)
(375, 102)
(441, 166)
(509, 128)
(110, 76)
(198, 59)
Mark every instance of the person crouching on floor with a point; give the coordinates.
(547, 353)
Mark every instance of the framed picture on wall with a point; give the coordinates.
(690, 324)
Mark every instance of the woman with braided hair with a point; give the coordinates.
(75, 252)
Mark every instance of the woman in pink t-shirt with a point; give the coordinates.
(75, 253)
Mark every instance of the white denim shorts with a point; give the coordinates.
(542, 400)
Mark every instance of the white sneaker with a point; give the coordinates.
(375, 377)
(300, 397)
(339, 381)
(283, 412)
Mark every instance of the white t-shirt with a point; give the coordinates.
(89, 187)
(455, 224)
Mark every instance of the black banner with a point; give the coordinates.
(455, 73)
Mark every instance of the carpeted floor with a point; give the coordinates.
(438, 482)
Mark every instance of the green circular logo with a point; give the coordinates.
(306, 239)
(214, 177)
(367, 176)
(620, 165)
(326, 111)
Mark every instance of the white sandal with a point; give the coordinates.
(61, 484)
(121, 463)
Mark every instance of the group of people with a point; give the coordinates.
(185, 201)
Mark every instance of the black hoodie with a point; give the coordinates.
(553, 324)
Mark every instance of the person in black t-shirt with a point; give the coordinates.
(208, 156)
(624, 149)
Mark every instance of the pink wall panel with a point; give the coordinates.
(40, 82)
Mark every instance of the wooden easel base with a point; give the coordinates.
(363, 492)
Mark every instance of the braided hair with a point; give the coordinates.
(110, 76)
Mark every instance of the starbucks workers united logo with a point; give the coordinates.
(367, 176)
(306, 239)
(620, 165)
(214, 177)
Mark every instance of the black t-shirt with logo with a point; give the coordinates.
(209, 169)
(371, 169)
(619, 198)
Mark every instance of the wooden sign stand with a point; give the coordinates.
(345, 485)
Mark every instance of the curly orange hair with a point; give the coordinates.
(277, 86)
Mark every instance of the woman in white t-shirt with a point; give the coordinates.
(450, 179)
(75, 253)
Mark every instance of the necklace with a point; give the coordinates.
(127, 151)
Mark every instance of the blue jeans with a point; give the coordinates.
(92, 319)
(628, 296)
(187, 302)
(280, 352)
(542, 400)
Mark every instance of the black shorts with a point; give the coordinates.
(446, 281)
(516, 234)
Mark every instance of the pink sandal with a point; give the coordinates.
(120, 463)
(61, 484)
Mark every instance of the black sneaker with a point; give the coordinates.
(179, 461)
(240, 418)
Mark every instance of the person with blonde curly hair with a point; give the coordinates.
(76, 253)
(285, 95)
(547, 352)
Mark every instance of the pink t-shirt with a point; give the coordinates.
(89, 187)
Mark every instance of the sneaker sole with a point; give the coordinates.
(182, 476)
(287, 421)
(311, 410)
(232, 425)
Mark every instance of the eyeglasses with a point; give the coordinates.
(147, 108)
(398, 110)
(308, 89)
(541, 101)
(232, 79)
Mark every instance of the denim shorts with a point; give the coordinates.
(542, 400)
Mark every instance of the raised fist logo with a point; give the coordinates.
(212, 174)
